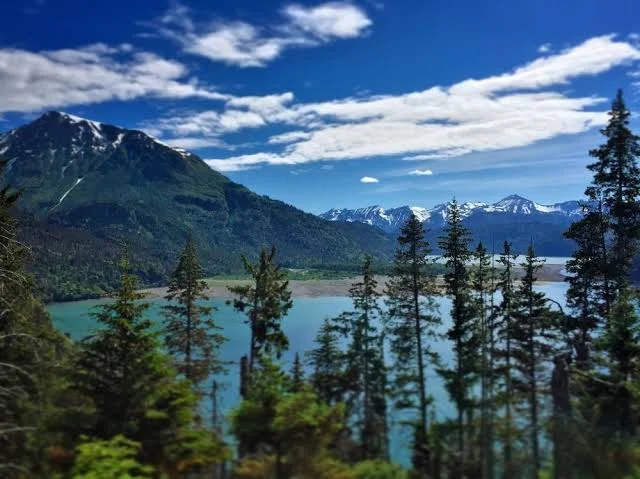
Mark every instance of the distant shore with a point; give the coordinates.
(316, 288)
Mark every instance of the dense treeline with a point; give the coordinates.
(66, 268)
(538, 390)
(305, 242)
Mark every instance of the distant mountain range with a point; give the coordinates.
(514, 218)
(88, 186)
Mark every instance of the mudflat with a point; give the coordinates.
(315, 288)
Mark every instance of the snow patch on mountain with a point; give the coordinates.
(421, 213)
(66, 193)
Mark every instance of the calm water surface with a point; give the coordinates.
(301, 326)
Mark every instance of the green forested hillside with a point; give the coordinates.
(87, 187)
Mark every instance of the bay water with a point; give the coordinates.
(300, 325)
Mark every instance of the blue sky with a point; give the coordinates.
(340, 104)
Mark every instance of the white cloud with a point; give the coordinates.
(207, 123)
(243, 162)
(96, 73)
(369, 179)
(237, 43)
(544, 48)
(425, 172)
(188, 143)
(267, 105)
(329, 20)
(591, 57)
(499, 112)
(443, 154)
(289, 137)
(246, 45)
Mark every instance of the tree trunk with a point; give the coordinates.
(424, 446)
(562, 420)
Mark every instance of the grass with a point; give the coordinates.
(292, 275)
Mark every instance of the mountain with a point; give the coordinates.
(390, 220)
(88, 186)
(513, 218)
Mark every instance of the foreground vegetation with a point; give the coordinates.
(539, 391)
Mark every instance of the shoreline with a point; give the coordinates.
(316, 288)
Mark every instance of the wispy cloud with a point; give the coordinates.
(504, 111)
(32, 81)
(289, 137)
(369, 179)
(443, 154)
(245, 44)
(425, 172)
(195, 143)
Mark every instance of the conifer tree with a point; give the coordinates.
(412, 318)
(482, 283)
(113, 367)
(133, 390)
(297, 375)
(365, 365)
(617, 183)
(30, 350)
(191, 334)
(588, 292)
(15, 380)
(288, 434)
(504, 327)
(265, 302)
(602, 324)
(327, 362)
(621, 344)
(532, 336)
(463, 332)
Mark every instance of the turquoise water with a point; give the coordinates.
(301, 326)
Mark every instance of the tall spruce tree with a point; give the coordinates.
(533, 337)
(621, 345)
(30, 353)
(463, 332)
(504, 326)
(412, 319)
(602, 321)
(191, 334)
(113, 367)
(133, 390)
(16, 384)
(482, 280)
(265, 302)
(617, 183)
(327, 363)
(297, 375)
(587, 294)
(366, 371)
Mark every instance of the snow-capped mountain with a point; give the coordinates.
(386, 219)
(516, 204)
(391, 220)
(86, 186)
(65, 149)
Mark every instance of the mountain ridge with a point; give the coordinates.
(392, 219)
(89, 183)
(514, 218)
